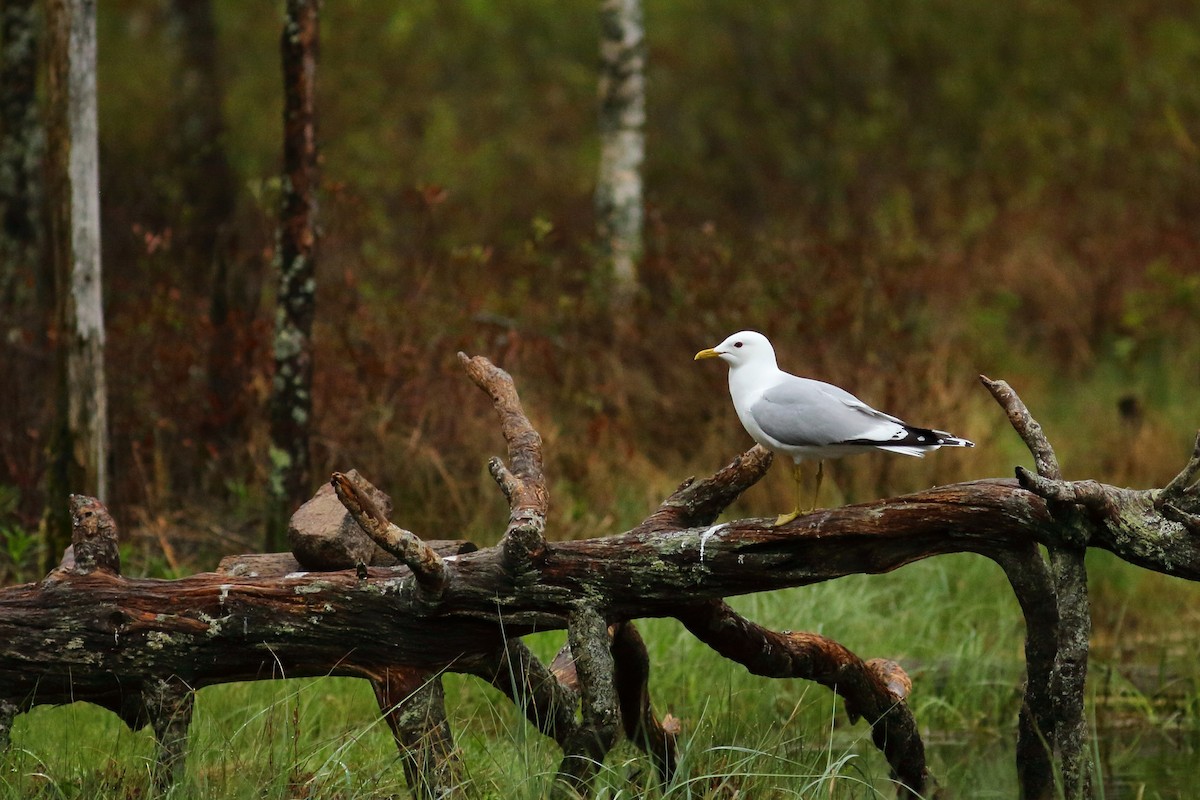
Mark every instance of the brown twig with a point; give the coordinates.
(427, 566)
(1026, 427)
(523, 482)
(699, 502)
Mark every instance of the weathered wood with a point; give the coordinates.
(1033, 586)
(414, 705)
(1067, 503)
(169, 705)
(98, 636)
(262, 565)
(427, 566)
(523, 483)
(584, 750)
(547, 700)
(101, 637)
(93, 537)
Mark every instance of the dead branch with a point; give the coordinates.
(427, 566)
(140, 647)
(524, 484)
(874, 690)
(1026, 427)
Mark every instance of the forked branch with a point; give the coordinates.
(427, 566)
(523, 483)
(140, 646)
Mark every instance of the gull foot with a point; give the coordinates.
(784, 519)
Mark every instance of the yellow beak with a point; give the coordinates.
(708, 353)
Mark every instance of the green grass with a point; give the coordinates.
(951, 621)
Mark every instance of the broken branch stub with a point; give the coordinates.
(428, 568)
(1026, 427)
(522, 481)
(93, 537)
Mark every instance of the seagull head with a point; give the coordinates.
(744, 347)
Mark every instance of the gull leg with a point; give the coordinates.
(783, 519)
(817, 488)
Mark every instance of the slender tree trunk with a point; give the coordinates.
(291, 390)
(81, 446)
(21, 146)
(209, 195)
(618, 199)
(206, 179)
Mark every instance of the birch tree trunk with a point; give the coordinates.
(81, 447)
(291, 389)
(21, 147)
(622, 121)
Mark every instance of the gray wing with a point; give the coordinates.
(803, 412)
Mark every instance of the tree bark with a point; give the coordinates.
(81, 436)
(21, 144)
(208, 198)
(618, 201)
(291, 388)
(206, 179)
(1067, 723)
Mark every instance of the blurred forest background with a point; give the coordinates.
(902, 193)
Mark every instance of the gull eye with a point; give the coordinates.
(737, 344)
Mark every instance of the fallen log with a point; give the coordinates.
(140, 646)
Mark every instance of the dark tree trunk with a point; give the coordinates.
(20, 157)
(206, 179)
(208, 190)
(291, 390)
(26, 284)
(81, 435)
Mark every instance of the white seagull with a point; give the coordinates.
(803, 418)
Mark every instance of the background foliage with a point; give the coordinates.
(902, 193)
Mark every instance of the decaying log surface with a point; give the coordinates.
(141, 646)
